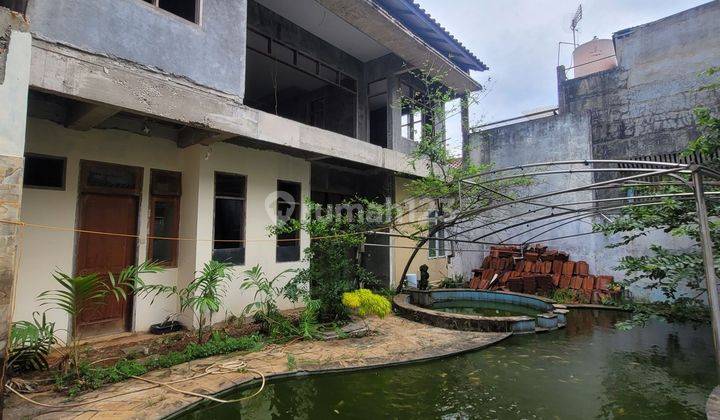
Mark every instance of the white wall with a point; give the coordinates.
(46, 250)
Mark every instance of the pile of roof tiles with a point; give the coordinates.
(537, 270)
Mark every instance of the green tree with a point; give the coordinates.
(459, 193)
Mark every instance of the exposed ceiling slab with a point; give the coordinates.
(319, 21)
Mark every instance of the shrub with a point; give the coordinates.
(366, 303)
(333, 265)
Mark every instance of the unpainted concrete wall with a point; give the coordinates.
(211, 54)
(644, 106)
(563, 137)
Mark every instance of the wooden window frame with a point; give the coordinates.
(85, 166)
(243, 244)
(64, 172)
(439, 250)
(167, 198)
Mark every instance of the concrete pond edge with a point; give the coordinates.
(313, 372)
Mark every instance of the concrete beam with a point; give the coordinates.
(84, 116)
(87, 77)
(189, 136)
(388, 32)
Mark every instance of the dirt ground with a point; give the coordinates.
(394, 340)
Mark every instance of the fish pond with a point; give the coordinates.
(586, 370)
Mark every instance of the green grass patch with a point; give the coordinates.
(92, 377)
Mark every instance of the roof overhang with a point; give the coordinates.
(380, 25)
(422, 24)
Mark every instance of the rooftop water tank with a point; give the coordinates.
(594, 56)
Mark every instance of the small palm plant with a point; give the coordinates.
(266, 291)
(31, 343)
(78, 294)
(203, 296)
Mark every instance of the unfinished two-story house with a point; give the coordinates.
(186, 119)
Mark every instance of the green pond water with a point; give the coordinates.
(588, 370)
(483, 308)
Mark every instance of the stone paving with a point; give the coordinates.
(396, 340)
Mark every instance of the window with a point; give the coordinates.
(288, 208)
(19, 6)
(165, 187)
(228, 244)
(186, 9)
(436, 246)
(44, 172)
(411, 124)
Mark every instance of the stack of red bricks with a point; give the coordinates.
(538, 270)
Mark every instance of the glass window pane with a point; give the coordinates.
(164, 225)
(111, 177)
(165, 183)
(229, 224)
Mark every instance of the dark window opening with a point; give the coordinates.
(378, 105)
(289, 204)
(165, 187)
(19, 6)
(44, 172)
(284, 81)
(230, 195)
(186, 9)
(317, 113)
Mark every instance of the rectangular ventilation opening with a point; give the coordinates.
(44, 172)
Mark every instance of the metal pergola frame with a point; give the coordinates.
(642, 173)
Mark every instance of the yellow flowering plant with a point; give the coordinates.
(365, 303)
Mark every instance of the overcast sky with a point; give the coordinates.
(518, 40)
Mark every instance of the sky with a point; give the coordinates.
(518, 40)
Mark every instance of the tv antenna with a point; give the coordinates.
(574, 23)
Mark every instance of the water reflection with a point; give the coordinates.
(588, 370)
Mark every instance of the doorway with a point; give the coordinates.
(108, 202)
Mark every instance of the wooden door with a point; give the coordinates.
(106, 212)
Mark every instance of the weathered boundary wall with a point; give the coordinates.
(562, 137)
(645, 105)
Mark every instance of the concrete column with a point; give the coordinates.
(394, 116)
(15, 48)
(465, 127)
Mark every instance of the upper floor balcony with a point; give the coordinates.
(336, 66)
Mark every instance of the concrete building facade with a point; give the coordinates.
(149, 121)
